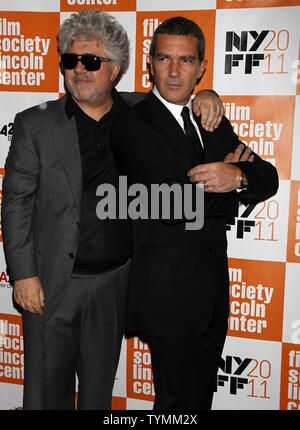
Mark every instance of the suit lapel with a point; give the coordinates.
(67, 146)
(167, 126)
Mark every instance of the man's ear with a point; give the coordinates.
(150, 67)
(202, 68)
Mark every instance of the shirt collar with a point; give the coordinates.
(72, 108)
(176, 111)
(173, 108)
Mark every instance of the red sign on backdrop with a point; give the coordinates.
(11, 349)
(28, 51)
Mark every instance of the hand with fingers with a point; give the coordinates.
(221, 177)
(218, 177)
(29, 294)
(209, 105)
(239, 155)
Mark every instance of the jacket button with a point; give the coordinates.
(71, 255)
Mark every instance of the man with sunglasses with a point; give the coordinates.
(70, 269)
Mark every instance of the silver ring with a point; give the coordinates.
(205, 184)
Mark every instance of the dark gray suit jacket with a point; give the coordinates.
(42, 199)
(42, 193)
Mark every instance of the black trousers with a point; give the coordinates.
(185, 368)
(83, 337)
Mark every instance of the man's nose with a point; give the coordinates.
(79, 68)
(174, 68)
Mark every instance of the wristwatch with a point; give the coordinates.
(244, 181)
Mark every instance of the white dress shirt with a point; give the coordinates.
(176, 111)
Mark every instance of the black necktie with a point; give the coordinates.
(191, 132)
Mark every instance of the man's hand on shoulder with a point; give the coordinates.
(29, 294)
(209, 105)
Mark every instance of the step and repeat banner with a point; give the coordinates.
(253, 63)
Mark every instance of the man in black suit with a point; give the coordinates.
(179, 290)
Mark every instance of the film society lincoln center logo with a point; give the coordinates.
(256, 297)
(11, 349)
(266, 129)
(28, 51)
(290, 377)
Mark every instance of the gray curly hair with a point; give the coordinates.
(98, 25)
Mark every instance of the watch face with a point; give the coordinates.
(244, 180)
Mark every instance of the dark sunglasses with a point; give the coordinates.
(90, 62)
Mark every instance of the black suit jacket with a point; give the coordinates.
(177, 273)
